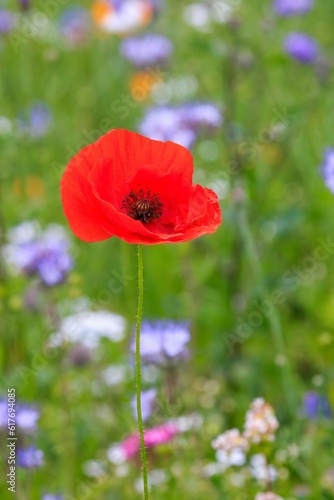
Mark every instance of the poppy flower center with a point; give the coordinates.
(142, 205)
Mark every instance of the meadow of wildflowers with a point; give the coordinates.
(237, 332)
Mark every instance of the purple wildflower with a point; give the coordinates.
(163, 341)
(36, 121)
(30, 457)
(201, 115)
(147, 403)
(3, 413)
(164, 123)
(53, 262)
(74, 25)
(146, 50)
(116, 4)
(43, 253)
(39, 120)
(180, 124)
(26, 416)
(7, 21)
(287, 8)
(301, 47)
(327, 168)
(315, 406)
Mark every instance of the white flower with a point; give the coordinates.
(88, 327)
(201, 15)
(235, 457)
(261, 470)
(25, 232)
(116, 454)
(230, 440)
(197, 15)
(130, 16)
(231, 447)
(261, 422)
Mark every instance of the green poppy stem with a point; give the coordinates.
(138, 370)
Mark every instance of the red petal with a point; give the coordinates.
(84, 217)
(204, 214)
(131, 150)
(123, 152)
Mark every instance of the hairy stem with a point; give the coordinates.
(138, 370)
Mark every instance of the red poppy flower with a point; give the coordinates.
(137, 189)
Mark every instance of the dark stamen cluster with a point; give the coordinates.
(142, 205)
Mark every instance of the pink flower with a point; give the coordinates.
(161, 434)
(128, 448)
